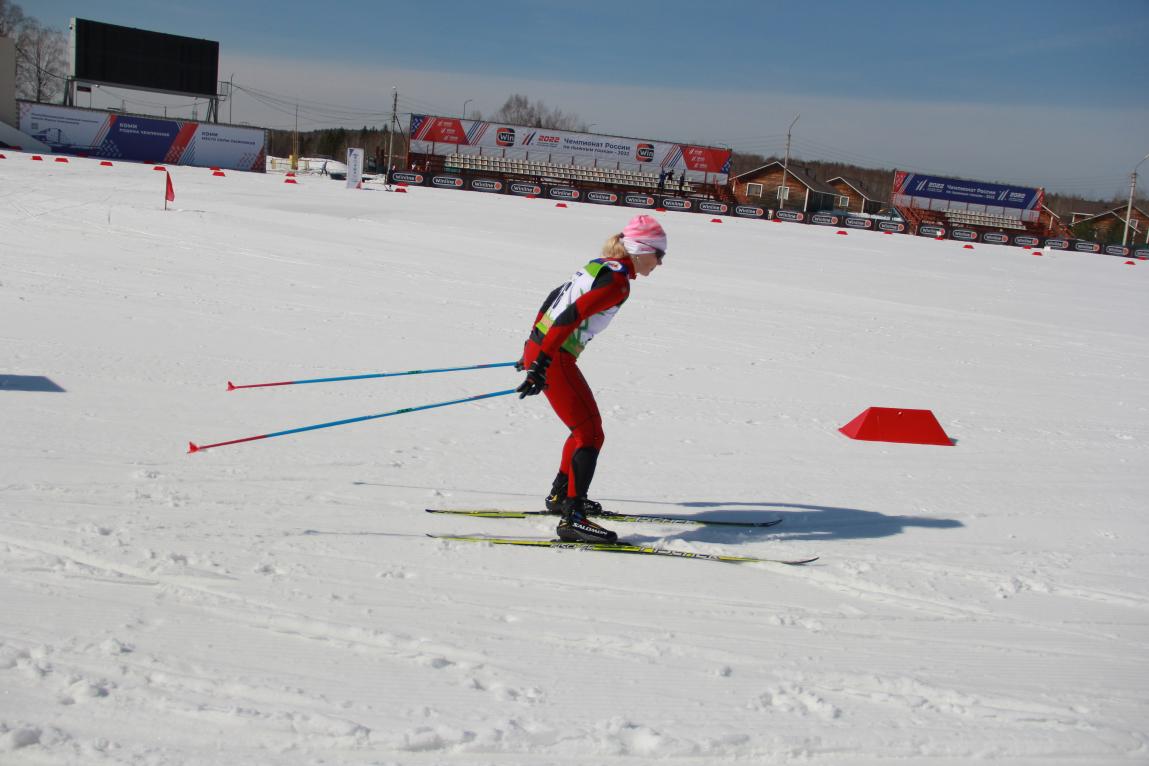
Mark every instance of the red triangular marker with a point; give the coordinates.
(170, 192)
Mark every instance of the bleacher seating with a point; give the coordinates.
(967, 218)
(569, 173)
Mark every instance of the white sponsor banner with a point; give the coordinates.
(98, 133)
(354, 168)
(450, 135)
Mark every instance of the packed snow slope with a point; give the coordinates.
(277, 602)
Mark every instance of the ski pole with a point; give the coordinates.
(232, 387)
(193, 447)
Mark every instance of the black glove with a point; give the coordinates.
(536, 377)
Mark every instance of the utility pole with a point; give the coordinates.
(295, 141)
(391, 128)
(786, 165)
(1129, 207)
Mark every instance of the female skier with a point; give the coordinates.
(570, 316)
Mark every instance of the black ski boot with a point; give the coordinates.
(558, 495)
(575, 527)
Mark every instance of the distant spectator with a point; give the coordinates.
(662, 179)
(682, 180)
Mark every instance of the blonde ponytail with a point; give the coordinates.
(613, 248)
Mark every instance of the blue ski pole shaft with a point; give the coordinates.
(232, 387)
(193, 447)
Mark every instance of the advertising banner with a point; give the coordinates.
(1084, 246)
(1117, 250)
(964, 235)
(638, 200)
(1141, 254)
(922, 191)
(826, 219)
(675, 203)
(712, 207)
(444, 181)
(447, 135)
(995, 238)
(407, 177)
(524, 189)
(354, 168)
(1026, 240)
(894, 226)
(490, 185)
(563, 192)
(749, 211)
(1057, 243)
(856, 222)
(602, 197)
(96, 133)
(797, 216)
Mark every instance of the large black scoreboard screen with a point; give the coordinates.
(136, 58)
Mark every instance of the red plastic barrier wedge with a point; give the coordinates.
(888, 424)
(967, 247)
(560, 204)
(61, 159)
(401, 189)
(290, 181)
(1130, 263)
(2, 157)
(218, 173)
(843, 233)
(660, 210)
(37, 158)
(106, 164)
(716, 220)
(160, 167)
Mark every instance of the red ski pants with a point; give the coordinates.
(572, 400)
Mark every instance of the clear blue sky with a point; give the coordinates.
(724, 72)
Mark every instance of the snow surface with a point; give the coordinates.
(277, 602)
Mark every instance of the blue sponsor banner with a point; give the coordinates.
(1057, 243)
(1027, 240)
(795, 216)
(995, 238)
(826, 219)
(897, 227)
(1085, 246)
(930, 230)
(973, 192)
(1118, 250)
(964, 235)
(857, 222)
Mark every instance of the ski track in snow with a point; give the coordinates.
(278, 603)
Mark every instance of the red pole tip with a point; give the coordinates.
(192, 448)
(230, 386)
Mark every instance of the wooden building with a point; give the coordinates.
(1108, 225)
(760, 186)
(853, 196)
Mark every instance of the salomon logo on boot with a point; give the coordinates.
(575, 527)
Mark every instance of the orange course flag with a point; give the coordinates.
(171, 191)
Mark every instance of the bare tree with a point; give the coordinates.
(518, 110)
(40, 61)
(11, 18)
